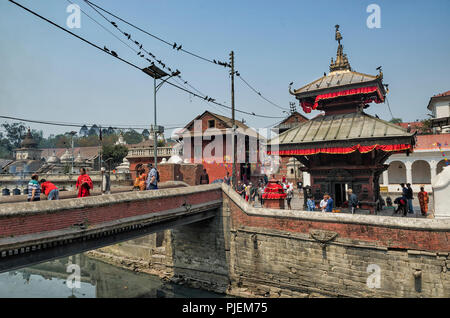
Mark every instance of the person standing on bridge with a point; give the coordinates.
(34, 190)
(153, 178)
(204, 178)
(423, 200)
(49, 189)
(84, 184)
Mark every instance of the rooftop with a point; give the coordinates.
(350, 127)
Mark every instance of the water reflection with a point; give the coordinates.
(98, 279)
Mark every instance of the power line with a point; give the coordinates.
(114, 54)
(389, 107)
(77, 125)
(94, 6)
(173, 45)
(259, 93)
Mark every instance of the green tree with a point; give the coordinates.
(425, 128)
(132, 137)
(14, 133)
(396, 121)
(114, 153)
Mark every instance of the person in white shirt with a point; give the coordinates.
(323, 203)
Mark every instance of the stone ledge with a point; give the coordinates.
(441, 225)
(42, 207)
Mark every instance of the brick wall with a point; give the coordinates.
(28, 218)
(248, 251)
(290, 254)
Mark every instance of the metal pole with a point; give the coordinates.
(233, 177)
(72, 153)
(155, 142)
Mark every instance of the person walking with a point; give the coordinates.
(84, 184)
(34, 190)
(329, 207)
(409, 197)
(352, 200)
(423, 200)
(204, 178)
(49, 190)
(106, 182)
(401, 205)
(289, 195)
(261, 193)
(311, 205)
(227, 179)
(323, 203)
(152, 178)
(142, 180)
(247, 192)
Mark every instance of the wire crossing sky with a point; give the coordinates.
(49, 76)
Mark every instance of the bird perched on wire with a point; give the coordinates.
(127, 35)
(114, 54)
(179, 48)
(114, 23)
(174, 45)
(106, 49)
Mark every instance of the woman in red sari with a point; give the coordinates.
(84, 184)
(423, 200)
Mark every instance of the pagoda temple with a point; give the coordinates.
(345, 148)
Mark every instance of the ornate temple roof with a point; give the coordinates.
(341, 76)
(337, 79)
(28, 141)
(342, 129)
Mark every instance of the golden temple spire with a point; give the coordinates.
(341, 62)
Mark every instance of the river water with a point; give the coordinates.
(97, 280)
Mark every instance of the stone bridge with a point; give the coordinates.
(209, 237)
(39, 231)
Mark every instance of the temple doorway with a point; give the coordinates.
(340, 191)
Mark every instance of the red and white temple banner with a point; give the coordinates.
(341, 150)
(307, 106)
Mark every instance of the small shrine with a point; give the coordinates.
(345, 147)
(274, 195)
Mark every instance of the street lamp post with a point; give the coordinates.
(72, 134)
(157, 73)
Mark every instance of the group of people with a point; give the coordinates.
(405, 201)
(251, 192)
(327, 203)
(46, 188)
(147, 181)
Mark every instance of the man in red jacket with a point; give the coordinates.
(84, 184)
(49, 189)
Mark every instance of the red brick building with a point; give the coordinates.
(208, 140)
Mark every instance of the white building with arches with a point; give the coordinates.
(420, 167)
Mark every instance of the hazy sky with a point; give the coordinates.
(46, 74)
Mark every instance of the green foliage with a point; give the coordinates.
(67, 169)
(133, 137)
(14, 134)
(396, 120)
(426, 127)
(114, 152)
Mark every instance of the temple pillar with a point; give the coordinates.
(408, 166)
(433, 169)
(306, 179)
(385, 178)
